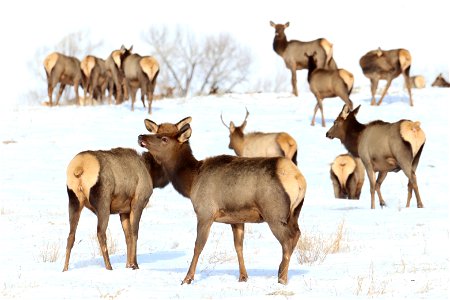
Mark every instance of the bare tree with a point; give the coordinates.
(197, 66)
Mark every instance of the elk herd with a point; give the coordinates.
(262, 183)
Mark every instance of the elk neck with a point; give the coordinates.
(280, 43)
(183, 170)
(159, 177)
(352, 137)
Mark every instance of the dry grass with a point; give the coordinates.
(111, 243)
(314, 247)
(50, 252)
(369, 286)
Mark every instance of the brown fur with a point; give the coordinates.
(347, 176)
(140, 72)
(232, 190)
(327, 84)
(417, 82)
(113, 65)
(386, 65)
(261, 144)
(109, 182)
(383, 147)
(64, 70)
(293, 52)
(440, 82)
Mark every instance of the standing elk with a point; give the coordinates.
(64, 70)
(386, 65)
(293, 52)
(262, 144)
(109, 182)
(139, 72)
(383, 147)
(328, 83)
(440, 82)
(232, 190)
(96, 76)
(116, 84)
(347, 176)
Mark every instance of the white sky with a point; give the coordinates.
(354, 27)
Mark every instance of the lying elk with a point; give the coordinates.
(417, 81)
(440, 82)
(64, 70)
(262, 144)
(97, 77)
(232, 190)
(347, 176)
(140, 72)
(113, 65)
(328, 83)
(293, 52)
(387, 65)
(383, 147)
(109, 182)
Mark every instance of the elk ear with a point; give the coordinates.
(151, 126)
(286, 25)
(183, 122)
(272, 24)
(355, 111)
(345, 112)
(184, 133)
(232, 127)
(131, 48)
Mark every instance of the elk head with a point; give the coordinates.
(236, 132)
(279, 28)
(165, 138)
(339, 128)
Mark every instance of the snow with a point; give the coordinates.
(395, 252)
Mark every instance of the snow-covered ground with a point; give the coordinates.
(393, 252)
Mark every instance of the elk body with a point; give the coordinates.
(347, 176)
(383, 147)
(97, 77)
(109, 182)
(440, 82)
(293, 52)
(261, 144)
(328, 83)
(386, 65)
(232, 190)
(140, 72)
(64, 70)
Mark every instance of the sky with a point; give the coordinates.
(354, 27)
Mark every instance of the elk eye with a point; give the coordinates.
(164, 139)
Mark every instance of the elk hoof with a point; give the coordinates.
(243, 278)
(282, 281)
(187, 280)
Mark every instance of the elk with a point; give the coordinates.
(262, 144)
(139, 72)
(386, 65)
(328, 83)
(232, 190)
(347, 176)
(97, 77)
(417, 82)
(440, 82)
(109, 182)
(113, 65)
(383, 147)
(64, 70)
(293, 52)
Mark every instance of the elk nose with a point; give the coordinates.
(141, 140)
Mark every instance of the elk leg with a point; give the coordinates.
(380, 179)
(75, 87)
(412, 185)
(74, 216)
(125, 220)
(286, 239)
(313, 121)
(135, 217)
(238, 235)
(60, 91)
(102, 224)
(321, 111)
(371, 176)
(203, 227)
(388, 84)
(294, 81)
(408, 87)
(373, 89)
(150, 94)
(133, 97)
(50, 93)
